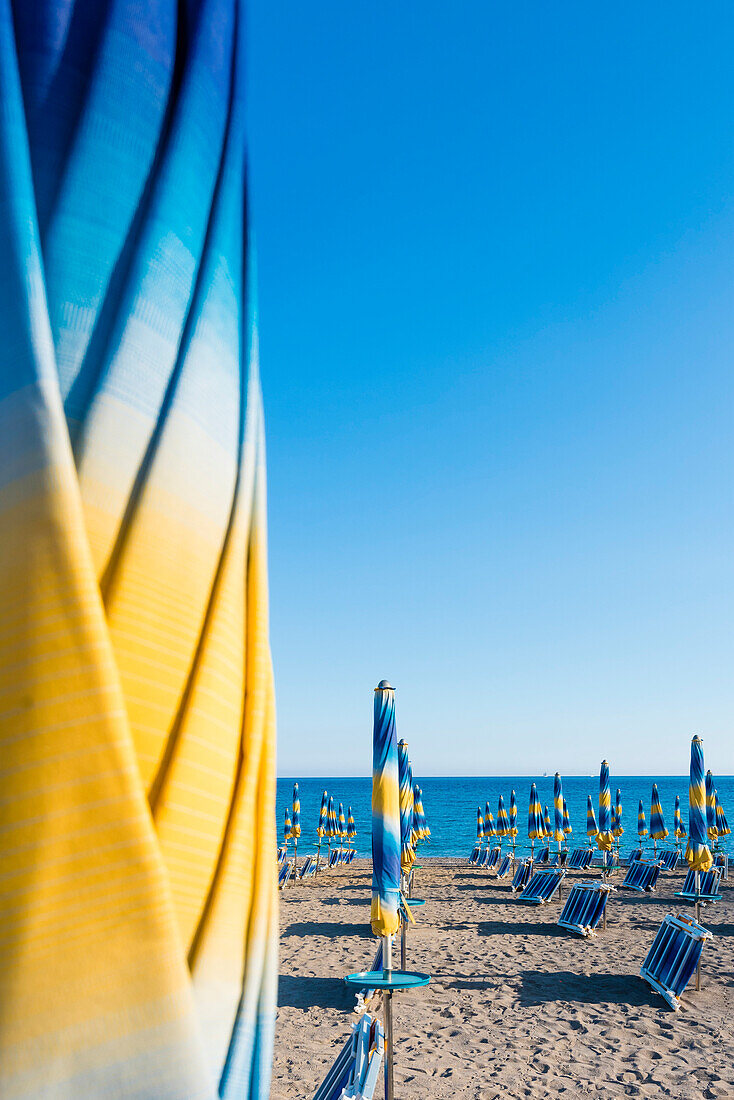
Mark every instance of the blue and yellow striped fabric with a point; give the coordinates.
(547, 827)
(722, 826)
(641, 823)
(558, 808)
(296, 829)
(710, 806)
(679, 829)
(604, 837)
(513, 815)
(591, 827)
(351, 827)
(333, 828)
(503, 824)
(489, 830)
(425, 831)
(385, 815)
(140, 900)
(535, 816)
(407, 852)
(287, 826)
(658, 830)
(698, 853)
(323, 825)
(480, 825)
(341, 824)
(617, 828)
(566, 820)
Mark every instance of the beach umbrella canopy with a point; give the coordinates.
(566, 819)
(697, 850)
(342, 823)
(503, 823)
(591, 829)
(323, 825)
(535, 816)
(296, 827)
(287, 827)
(617, 827)
(513, 815)
(425, 831)
(385, 815)
(604, 837)
(407, 852)
(333, 827)
(547, 827)
(657, 824)
(489, 829)
(722, 828)
(710, 806)
(641, 825)
(558, 808)
(351, 827)
(480, 824)
(679, 829)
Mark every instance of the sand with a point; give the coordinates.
(516, 1007)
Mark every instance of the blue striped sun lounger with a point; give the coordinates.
(356, 1071)
(721, 860)
(281, 856)
(585, 907)
(542, 887)
(642, 876)
(674, 956)
(523, 871)
(334, 857)
(284, 875)
(669, 860)
(634, 855)
(579, 859)
(483, 858)
(505, 867)
(543, 855)
(475, 854)
(708, 887)
(558, 859)
(494, 858)
(308, 869)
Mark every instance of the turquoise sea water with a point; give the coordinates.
(451, 806)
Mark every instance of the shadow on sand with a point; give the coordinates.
(301, 992)
(520, 928)
(333, 930)
(539, 987)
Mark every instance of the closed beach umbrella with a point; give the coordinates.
(710, 807)
(641, 825)
(604, 837)
(558, 809)
(618, 830)
(385, 820)
(489, 829)
(567, 830)
(591, 829)
(513, 815)
(535, 819)
(698, 854)
(679, 829)
(417, 826)
(287, 827)
(722, 828)
(296, 824)
(503, 823)
(351, 827)
(407, 853)
(480, 826)
(323, 825)
(342, 825)
(425, 831)
(547, 827)
(657, 823)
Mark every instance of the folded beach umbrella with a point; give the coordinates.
(321, 828)
(722, 828)
(287, 827)
(566, 820)
(641, 824)
(513, 815)
(333, 825)
(342, 824)
(591, 829)
(480, 826)
(425, 831)
(547, 827)
(503, 822)
(535, 819)
(558, 809)
(679, 829)
(657, 824)
(296, 824)
(489, 829)
(413, 834)
(617, 829)
(407, 852)
(351, 827)
(385, 815)
(698, 854)
(604, 838)
(710, 806)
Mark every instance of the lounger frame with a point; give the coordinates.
(585, 907)
(673, 957)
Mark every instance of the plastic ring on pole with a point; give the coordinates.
(392, 980)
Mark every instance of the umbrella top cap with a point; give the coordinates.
(384, 685)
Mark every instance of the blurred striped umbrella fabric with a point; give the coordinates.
(385, 815)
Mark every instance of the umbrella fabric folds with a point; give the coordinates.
(503, 822)
(604, 837)
(425, 832)
(657, 823)
(698, 853)
(296, 826)
(558, 808)
(679, 829)
(641, 823)
(617, 828)
(385, 815)
(535, 819)
(547, 827)
(710, 807)
(135, 671)
(567, 830)
(489, 829)
(407, 851)
(591, 827)
(342, 825)
(513, 815)
(333, 824)
(480, 826)
(323, 825)
(722, 827)
(351, 827)
(287, 826)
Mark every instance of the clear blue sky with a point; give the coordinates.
(496, 271)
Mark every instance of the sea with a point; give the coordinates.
(451, 804)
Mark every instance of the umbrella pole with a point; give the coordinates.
(295, 856)
(387, 968)
(698, 921)
(318, 856)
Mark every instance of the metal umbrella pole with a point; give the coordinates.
(389, 1057)
(698, 921)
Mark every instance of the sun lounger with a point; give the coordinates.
(308, 869)
(284, 875)
(579, 859)
(674, 956)
(494, 858)
(669, 860)
(281, 856)
(543, 855)
(483, 857)
(558, 859)
(721, 860)
(475, 854)
(505, 867)
(634, 855)
(707, 887)
(334, 857)
(352, 854)
(585, 907)
(356, 1071)
(523, 871)
(542, 887)
(642, 876)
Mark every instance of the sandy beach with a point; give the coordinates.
(516, 1006)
